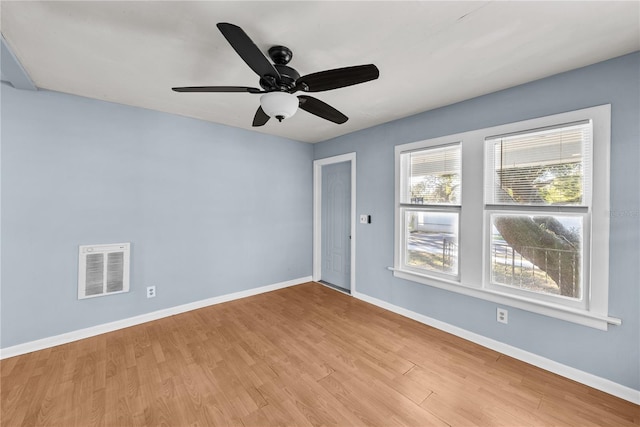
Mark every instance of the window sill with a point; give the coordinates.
(581, 317)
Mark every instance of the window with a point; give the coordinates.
(537, 196)
(430, 209)
(516, 214)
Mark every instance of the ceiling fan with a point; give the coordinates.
(279, 81)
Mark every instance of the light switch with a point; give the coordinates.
(365, 219)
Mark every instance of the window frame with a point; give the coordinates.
(474, 244)
(430, 209)
(583, 301)
(424, 207)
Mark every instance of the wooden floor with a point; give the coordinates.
(305, 355)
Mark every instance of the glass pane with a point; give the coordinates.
(543, 167)
(538, 253)
(432, 241)
(434, 176)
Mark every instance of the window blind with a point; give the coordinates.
(434, 176)
(550, 166)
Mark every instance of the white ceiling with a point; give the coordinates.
(430, 54)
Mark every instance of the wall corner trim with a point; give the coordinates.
(594, 381)
(80, 334)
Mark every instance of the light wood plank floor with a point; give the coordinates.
(301, 356)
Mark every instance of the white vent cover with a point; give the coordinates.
(103, 270)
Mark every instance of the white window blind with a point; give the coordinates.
(550, 166)
(433, 176)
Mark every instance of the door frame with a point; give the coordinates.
(317, 215)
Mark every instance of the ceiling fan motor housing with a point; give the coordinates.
(281, 55)
(286, 82)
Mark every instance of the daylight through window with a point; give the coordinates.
(431, 209)
(515, 213)
(543, 177)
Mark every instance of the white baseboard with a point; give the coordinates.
(599, 383)
(68, 337)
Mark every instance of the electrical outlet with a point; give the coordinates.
(151, 291)
(502, 315)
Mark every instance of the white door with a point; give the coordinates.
(336, 224)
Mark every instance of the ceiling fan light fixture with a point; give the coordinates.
(279, 105)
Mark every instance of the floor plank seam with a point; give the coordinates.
(425, 399)
(407, 371)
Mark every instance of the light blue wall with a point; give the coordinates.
(614, 354)
(209, 209)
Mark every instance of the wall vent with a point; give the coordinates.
(103, 270)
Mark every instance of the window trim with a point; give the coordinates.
(401, 207)
(472, 263)
(404, 207)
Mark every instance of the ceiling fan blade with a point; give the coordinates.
(337, 78)
(217, 89)
(261, 118)
(321, 109)
(248, 51)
